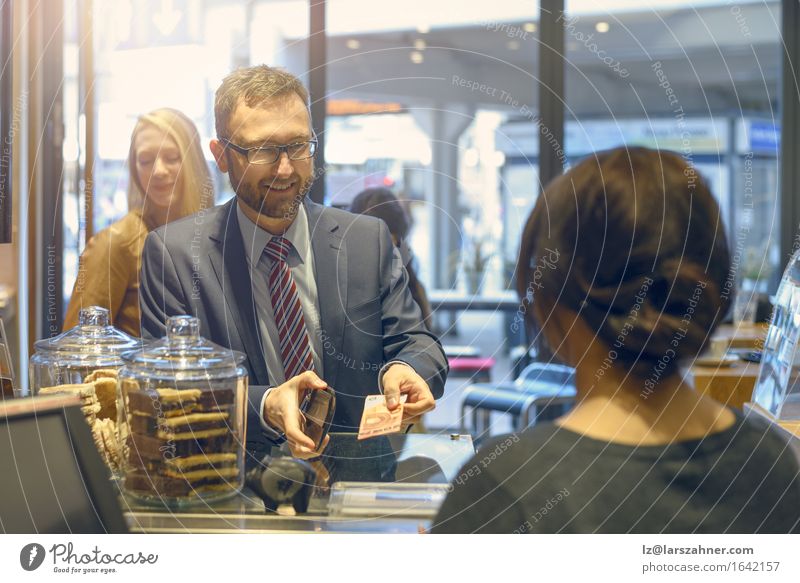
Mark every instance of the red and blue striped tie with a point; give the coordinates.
(295, 346)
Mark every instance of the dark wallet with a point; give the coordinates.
(318, 409)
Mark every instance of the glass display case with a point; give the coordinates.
(777, 391)
(8, 387)
(389, 484)
(69, 358)
(182, 412)
(84, 361)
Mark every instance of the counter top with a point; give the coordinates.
(429, 460)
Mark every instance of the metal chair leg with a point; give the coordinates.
(486, 422)
(525, 417)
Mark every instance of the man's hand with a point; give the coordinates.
(401, 379)
(282, 411)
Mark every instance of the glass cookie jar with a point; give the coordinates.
(83, 361)
(182, 418)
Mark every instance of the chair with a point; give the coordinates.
(460, 351)
(477, 369)
(542, 391)
(467, 362)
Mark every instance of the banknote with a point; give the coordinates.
(377, 419)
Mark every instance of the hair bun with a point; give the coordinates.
(644, 255)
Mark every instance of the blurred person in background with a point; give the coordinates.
(168, 179)
(636, 261)
(383, 204)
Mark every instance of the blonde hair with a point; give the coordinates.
(196, 189)
(254, 85)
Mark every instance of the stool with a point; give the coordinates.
(521, 356)
(542, 392)
(458, 350)
(478, 369)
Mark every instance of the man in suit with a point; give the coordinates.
(314, 296)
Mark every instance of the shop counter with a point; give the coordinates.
(403, 476)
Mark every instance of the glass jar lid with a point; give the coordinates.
(93, 339)
(184, 350)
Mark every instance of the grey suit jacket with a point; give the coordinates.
(198, 266)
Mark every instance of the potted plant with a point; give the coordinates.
(755, 269)
(476, 262)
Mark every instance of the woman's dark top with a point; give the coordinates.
(548, 479)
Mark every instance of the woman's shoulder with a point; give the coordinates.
(756, 433)
(126, 233)
(504, 455)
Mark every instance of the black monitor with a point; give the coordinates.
(52, 479)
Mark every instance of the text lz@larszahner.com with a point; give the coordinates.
(95, 560)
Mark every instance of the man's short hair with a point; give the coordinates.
(254, 85)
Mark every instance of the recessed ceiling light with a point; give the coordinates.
(423, 28)
(420, 44)
(513, 45)
(416, 57)
(529, 27)
(601, 26)
(353, 44)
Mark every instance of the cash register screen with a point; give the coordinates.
(42, 489)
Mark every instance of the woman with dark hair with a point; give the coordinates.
(383, 204)
(623, 261)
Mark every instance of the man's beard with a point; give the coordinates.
(261, 203)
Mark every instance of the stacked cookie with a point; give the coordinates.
(104, 432)
(105, 387)
(181, 442)
(98, 394)
(90, 406)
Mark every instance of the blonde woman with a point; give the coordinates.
(168, 180)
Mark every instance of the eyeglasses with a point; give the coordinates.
(271, 154)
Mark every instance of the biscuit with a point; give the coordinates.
(101, 373)
(106, 390)
(85, 390)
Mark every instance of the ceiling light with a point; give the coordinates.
(601, 26)
(416, 57)
(423, 28)
(420, 44)
(529, 27)
(471, 158)
(353, 44)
